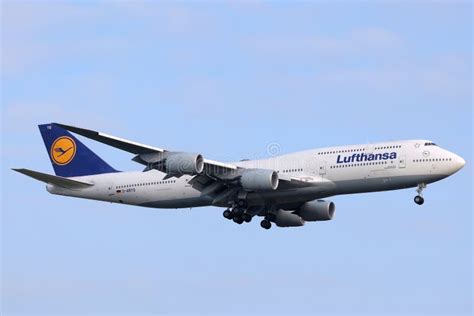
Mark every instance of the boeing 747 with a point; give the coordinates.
(287, 190)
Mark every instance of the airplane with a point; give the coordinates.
(287, 190)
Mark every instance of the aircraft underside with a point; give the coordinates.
(267, 204)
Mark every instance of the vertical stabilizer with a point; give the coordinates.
(70, 157)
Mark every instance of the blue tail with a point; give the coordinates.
(70, 157)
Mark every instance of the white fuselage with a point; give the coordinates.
(325, 172)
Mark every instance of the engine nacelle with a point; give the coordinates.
(318, 210)
(288, 219)
(259, 180)
(184, 163)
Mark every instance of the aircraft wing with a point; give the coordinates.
(216, 179)
(123, 144)
(137, 148)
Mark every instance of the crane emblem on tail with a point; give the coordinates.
(63, 150)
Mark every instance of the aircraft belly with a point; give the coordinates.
(384, 183)
(181, 197)
(290, 196)
(179, 203)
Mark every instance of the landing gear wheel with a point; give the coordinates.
(247, 218)
(419, 200)
(266, 224)
(242, 203)
(238, 211)
(238, 220)
(228, 214)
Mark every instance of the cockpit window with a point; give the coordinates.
(430, 144)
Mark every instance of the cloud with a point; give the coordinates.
(370, 59)
(167, 17)
(37, 35)
(23, 26)
(441, 76)
(357, 41)
(23, 116)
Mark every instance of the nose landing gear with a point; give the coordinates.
(419, 198)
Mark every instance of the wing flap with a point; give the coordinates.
(304, 181)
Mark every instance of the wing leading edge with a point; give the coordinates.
(137, 148)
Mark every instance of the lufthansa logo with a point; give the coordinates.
(63, 150)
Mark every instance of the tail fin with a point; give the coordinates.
(70, 157)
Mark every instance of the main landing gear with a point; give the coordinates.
(238, 213)
(419, 198)
(228, 214)
(266, 223)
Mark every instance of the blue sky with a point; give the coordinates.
(228, 80)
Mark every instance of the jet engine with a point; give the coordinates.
(287, 219)
(317, 210)
(173, 163)
(184, 163)
(259, 180)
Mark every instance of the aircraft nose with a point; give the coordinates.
(460, 162)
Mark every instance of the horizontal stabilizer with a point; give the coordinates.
(56, 180)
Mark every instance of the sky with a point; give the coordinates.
(234, 80)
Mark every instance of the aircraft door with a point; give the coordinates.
(322, 169)
(369, 148)
(187, 187)
(109, 190)
(402, 162)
